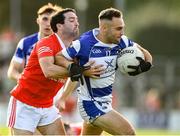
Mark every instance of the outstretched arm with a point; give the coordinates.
(59, 67)
(94, 71)
(52, 70)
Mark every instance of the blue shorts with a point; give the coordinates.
(91, 110)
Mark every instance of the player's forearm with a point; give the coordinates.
(15, 69)
(13, 74)
(62, 61)
(55, 71)
(68, 89)
(147, 55)
(51, 69)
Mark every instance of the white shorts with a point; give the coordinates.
(90, 110)
(25, 117)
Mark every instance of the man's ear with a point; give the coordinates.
(58, 26)
(103, 26)
(37, 20)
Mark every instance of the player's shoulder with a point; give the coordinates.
(87, 35)
(125, 39)
(88, 38)
(31, 36)
(30, 39)
(48, 40)
(125, 42)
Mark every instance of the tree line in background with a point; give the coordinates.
(155, 23)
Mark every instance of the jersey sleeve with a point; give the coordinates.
(44, 49)
(72, 51)
(19, 52)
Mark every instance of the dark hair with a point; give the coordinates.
(59, 18)
(109, 13)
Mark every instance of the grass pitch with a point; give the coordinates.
(4, 131)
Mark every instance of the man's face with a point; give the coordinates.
(71, 24)
(115, 29)
(44, 24)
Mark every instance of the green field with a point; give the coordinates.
(157, 133)
(4, 132)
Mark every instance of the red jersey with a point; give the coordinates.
(33, 87)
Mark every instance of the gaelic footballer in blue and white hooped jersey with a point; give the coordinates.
(87, 48)
(25, 47)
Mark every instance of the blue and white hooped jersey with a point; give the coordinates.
(87, 48)
(25, 47)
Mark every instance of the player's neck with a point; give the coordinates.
(67, 40)
(42, 35)
(101, 38)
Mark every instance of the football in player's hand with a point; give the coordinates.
(127, 57)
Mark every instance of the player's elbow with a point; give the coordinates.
(10, 75)
(55, 74)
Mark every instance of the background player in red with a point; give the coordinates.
(27, 43)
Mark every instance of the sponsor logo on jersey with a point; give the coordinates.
(96, 51)
(125, 52)
(44, 49)
(109, 63)
(110, 67)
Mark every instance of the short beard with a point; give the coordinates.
(75, 35)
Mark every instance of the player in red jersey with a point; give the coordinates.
(27, 43)
(31, 103)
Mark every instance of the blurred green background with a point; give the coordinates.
(150, 100)
(154, 23)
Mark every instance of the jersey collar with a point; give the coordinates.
(38, 36)
(60, 41)
(95, 33)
